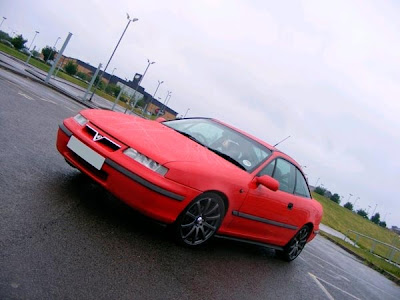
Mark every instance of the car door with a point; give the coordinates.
(267, 215)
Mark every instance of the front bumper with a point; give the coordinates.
(139, 187)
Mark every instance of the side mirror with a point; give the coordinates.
(160, 119)
(268, 182)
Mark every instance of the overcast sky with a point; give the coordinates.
(327, 73)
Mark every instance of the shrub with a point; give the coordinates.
(349, 206)
(71, 68)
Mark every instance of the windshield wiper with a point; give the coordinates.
(190, 137)
(223, 155)
(227, 157)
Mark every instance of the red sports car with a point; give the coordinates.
(202, 176)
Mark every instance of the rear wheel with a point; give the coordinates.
(200, 220)
(296, 245)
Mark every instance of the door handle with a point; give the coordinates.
(290, 206)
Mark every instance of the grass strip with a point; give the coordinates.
(379, 264)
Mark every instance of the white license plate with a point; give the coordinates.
(89, 155)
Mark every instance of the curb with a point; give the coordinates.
(388, 275)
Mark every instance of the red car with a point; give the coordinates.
(204, 177)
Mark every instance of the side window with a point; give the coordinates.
(285, 174)
(268, 169)
(301, 185)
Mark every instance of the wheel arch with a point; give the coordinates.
(222, 195)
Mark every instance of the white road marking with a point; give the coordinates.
(317, 279)
(48, 100)
(68, 108)
(25, 95)
(321, 286)
(344, 278)
(374, 286)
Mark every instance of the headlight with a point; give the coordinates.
(80, 119)
(145, 161)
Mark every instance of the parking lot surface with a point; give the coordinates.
(63, 236)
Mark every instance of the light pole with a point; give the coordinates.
(154, 96)
(54, 47)
(36, 32)
(186, 112)
(165, 102)
(112, 74)
(350, 195)
(141, 78)
(317, 181)
(354, 204)
(115, 49)
(374, 210)
(369, 206)
(4, 18)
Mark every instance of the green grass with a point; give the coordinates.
(13, 52)
(342, 219)
(376, 262)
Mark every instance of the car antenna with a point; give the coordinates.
(281, 141)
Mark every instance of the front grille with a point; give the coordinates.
(103, 140)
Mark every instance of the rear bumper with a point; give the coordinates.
(144, 190)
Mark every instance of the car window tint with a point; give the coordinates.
(268, 169)
(301, 185)
(208, 131)
(285, 174)
(225, 140)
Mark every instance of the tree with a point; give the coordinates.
(5, 36)
(375, 218)
(19, 42)
(320, 190)
(112, 89)
(35, 53)
(362, 213)
(349, 206)
(83, 76)
(336, 198)
(48, 53)
(100, 85)
(382, 224)
(71, 68)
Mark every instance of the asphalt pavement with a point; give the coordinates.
(62, 236)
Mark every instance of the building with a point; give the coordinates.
(151, 105)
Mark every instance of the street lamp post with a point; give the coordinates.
(186, 112)
(154, 96)
(317, 181)
(36, 32)
(4, 18)
(354, 204)
(54, 47)
(141, 78)
(165, 102)
(115, 49)
(350, 195)
(374, 210)
(112, 74)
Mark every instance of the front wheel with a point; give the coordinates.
(200, 220)
(296, 245)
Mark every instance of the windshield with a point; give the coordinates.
(224, 141)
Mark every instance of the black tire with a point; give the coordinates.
(295, 245)
(200, 220)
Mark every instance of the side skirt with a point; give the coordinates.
(248, 242)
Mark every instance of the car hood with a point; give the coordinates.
(153, 139)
